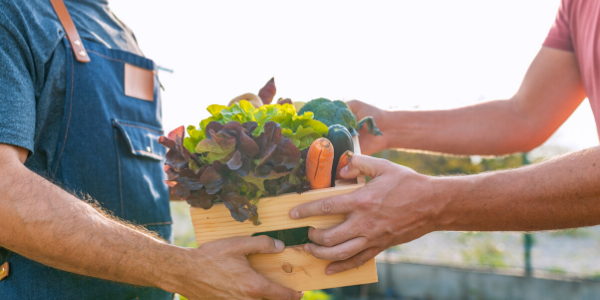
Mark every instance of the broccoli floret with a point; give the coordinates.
(331, 112)
(337, 112)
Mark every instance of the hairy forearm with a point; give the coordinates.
(560, 193)
(46, 224)
(491, 128)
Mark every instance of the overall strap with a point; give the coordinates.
(69, 26)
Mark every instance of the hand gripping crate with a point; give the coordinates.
(293, 268)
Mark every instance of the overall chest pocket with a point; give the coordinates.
(144, 195)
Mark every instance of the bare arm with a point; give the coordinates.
(560, 193)
(44, 223)
(550, 92)
(400, 205)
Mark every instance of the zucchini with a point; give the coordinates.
(341, 139)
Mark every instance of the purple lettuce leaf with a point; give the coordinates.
(250, 126)
(212, 180)
(245, 143)
(267, 92)
(233, 166)
(178, 156)
(275, 148)
(259, 181)
(245, 168)
(218, 147)
(236, 161)
(240, 207)
(201, 199)
(190, 179)
(171, 174)
(181, 191)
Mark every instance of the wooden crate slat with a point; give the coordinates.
(301, 271)
(216, 223)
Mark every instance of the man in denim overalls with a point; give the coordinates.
(80, 114)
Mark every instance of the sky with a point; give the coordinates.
(435, 54)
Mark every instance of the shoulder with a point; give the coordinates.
(33, 23)
(574, 9)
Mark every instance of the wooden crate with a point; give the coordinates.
(293, 268)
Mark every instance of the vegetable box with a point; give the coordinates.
(293, 268)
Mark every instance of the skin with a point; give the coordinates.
(399, 205)
(42, 222)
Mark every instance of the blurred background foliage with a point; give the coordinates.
(437, 164)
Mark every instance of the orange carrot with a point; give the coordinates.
(344, 161)
(319, 163)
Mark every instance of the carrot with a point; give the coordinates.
(344, 161)
(319, 163)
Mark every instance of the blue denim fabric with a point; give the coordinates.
(107, 149)
(33, 69)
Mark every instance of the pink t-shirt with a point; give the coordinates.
(577, 29)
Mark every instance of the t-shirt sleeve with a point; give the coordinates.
(17, 95)
(559, 36)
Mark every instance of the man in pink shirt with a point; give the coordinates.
(400, 205)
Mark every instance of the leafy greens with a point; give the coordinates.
(301, 129)
(240, 154)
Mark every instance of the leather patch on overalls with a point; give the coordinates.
(3, 271)
(139, 83)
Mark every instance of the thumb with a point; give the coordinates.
(365, 165)
(258, 244)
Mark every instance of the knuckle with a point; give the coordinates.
(327, 206)
(358, 262)
(328, 240)
(365, 203)
(343, 255)
(266, 242)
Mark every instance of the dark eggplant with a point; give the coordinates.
(341, 139)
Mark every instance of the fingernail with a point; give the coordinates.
(279, 244)
(344, 170)
(329, 272)
(307, 248)
(295, 214)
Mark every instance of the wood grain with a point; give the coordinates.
(216, 223)
(298, 270)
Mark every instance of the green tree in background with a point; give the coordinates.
(439, 164)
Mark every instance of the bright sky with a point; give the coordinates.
(394, 54)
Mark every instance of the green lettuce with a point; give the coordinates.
(301, 129)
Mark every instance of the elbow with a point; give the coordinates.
(527, 128)
(528, 140)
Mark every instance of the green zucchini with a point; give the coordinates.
(341, 139)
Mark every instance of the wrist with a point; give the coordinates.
(384, 122)
(172, 272)
(382, 119)
(444, 199)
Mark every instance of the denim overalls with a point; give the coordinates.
(108, 149)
